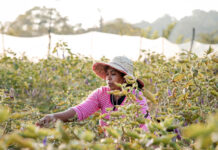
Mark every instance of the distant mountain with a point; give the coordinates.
(158, 25)
(142, 24)
(162, 22)
(203, 22)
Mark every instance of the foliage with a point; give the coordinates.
(120, 27)
(38, 21)
(180, 39)
(205, 134)
(166, 32)
(210, 38)
(180, 92)
(155, 35)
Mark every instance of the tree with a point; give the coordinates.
(180, 39)
(119, 26)
(166, 32)
(155, 35)
(78, 29)
(209, 38)
(147, 32)
(38, 21)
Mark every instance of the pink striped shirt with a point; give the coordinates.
(100, 100)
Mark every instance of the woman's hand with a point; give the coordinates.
(62, 116)
(44, 122)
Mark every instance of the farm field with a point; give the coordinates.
(182, 97)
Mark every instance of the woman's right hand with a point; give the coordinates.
(44, 122)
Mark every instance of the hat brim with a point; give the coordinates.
(100, 70)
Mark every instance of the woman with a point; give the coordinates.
(112, 72)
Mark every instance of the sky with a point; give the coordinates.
(88, 12)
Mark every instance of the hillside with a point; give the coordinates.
(203, 22)
(159, 25)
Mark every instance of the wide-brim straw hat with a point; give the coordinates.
(120, 63)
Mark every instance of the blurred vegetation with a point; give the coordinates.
(41, 20)
(37, 21)
(211, 38)
(181, 93)
(120, 27)
(166, 32)
(180, 39)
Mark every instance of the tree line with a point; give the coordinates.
(40, 21)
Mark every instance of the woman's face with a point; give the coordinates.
(113, 76)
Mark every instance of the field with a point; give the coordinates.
(182, 95)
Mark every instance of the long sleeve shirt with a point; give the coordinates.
(100, 100)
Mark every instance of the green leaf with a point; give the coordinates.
(4, 113)
(87, 136)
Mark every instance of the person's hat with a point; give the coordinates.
(120, 63)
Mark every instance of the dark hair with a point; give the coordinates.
(122, 75)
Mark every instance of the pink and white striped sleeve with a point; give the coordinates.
(88, 107)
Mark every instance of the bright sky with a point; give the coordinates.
(86, 11)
